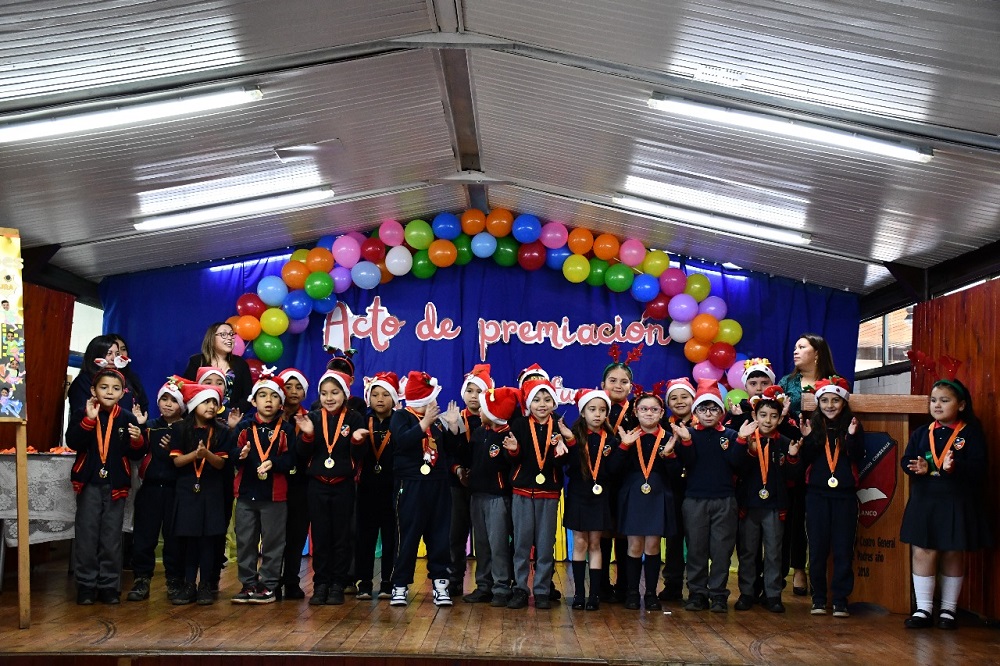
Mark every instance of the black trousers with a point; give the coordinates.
(296, 531)
(154, 509)
(200, 555)
(330, 510)
(832, 523)
(376, 511)
(423, 509)
(461, 528)
(793, 544)
(674, 564)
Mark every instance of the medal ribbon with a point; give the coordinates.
(832, 459)
(371, 436)
(430, 447)
(326, 431)
(541, 454)
(621, 416)
(763, 456)
(104, 442)
(199, 465)
(264, 455)
(939, 460)
(646, 469)
(465, 420)
(594, 469)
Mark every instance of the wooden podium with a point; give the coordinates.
(881, 560)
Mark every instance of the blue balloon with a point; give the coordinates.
(325, 305)
(526, 229)
(555, 258)
(272, 290)
(484, 245)
(645, 288)
(741, 357)
(366, 275)
(723, 391)
(327, 242)
(297, 304)
(446, 226)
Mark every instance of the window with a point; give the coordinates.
(885, 340)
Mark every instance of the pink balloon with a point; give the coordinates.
(682, 307)
(358, 236)
(735, 376)
(297, 326)
(390, 232)
(705, 370)
(632, 252)
(239, 346)
(342, 280)
(346, 250)
(673, 282)
(714, 306)
(554, 235)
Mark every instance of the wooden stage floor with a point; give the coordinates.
(155, 632)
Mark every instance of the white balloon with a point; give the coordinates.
(398, 261)
(680, 331)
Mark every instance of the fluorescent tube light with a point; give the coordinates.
(123, 114)
(709, 221)
(235, 210)
(791, 128)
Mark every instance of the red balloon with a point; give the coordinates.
(373, 250)
(722, 355)
(255, 368)
(657, 308)
(531, 256)
(250, 304)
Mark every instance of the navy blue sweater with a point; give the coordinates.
(157, 467)
(489, 470)
(409, 444)
(712, 459)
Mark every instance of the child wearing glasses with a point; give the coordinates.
(711, 457)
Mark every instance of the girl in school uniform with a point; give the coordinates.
(946, 461)
(645, 503)
(200, 447)
(833, 450)
(588, 507)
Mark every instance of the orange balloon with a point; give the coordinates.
(248, 327)
(442, 253)
(294, 273)
(386, 275)
(606, 247)
(499, 222)
(319, 260)
(704, 327)
(695, 350)
(473, 221)
(580, 241)
(232, 321)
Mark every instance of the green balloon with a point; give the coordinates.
(268, 348)
(463, 246)
(418, 234)
(506, 252)
(598, 267)
(319, 285)
(735, 396)
(374, 234)
(423, 267)
(619, 278)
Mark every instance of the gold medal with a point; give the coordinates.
(262, 476)
(646, 489)
(763, 494)
(378, 468)
(832, 482)
(935, 473)
(598, 489)
(540, 478)
(197, 487)
(425, 469)
(103, 473)
(328, 463)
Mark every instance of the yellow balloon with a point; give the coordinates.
(655, 262)
(698, 287)
(576, 268)
(729, 331)
(274, 321)
(300, 255)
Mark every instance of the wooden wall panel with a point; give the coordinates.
(964, 326)
(48, 320)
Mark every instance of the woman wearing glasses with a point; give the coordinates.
(217, 352)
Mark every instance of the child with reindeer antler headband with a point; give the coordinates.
(946, 461)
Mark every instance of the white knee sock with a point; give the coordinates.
(951, 586)
(923, 589)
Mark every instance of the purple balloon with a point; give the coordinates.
(714, 306)
(735, 375)
(341, 279)
(673, 282)
(682, 307)
(705, 370)
(297, 326)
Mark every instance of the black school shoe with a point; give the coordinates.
(335, 597)
(745, 602)
(774, 605)
(205, 596)
(670, 595)
(947, 620)
(651, 603)
(719, 605)
(320, 593)
(293, 592)
(519, 599)
(86, 596)
(108, 595)
(696, 602)
(140, 589)
(185, 595)
(478, 596)
(632, 601)
(920, 619)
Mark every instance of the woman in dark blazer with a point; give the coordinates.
(217, 352)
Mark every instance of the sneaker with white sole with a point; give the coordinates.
(442, 596)
(398, 597)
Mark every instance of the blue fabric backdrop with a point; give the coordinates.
(163, 316)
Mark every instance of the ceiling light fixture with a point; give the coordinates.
(791, 128)
(709, 221)
(85, 119)
(236, 209)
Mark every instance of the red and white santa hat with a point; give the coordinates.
(342, 379)
(583, 396)
(172, 387)
(773, 393)
(834, 384)
(708, 391)
(753, 365)
(386, 380)
(195, 394)
(680, 384)
(480, 376)
(268, 380)
(419, 389)
(533, 369)
(206, 371)
(531, 388)
(499, 404)
(294, 373)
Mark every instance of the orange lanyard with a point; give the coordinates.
(465, 420)
(832, 459)
(264, 455)
(594, 469)
(646, 469)
(104, 441)
(371, 435)
(429, 443)
(939, 460)
(199, 465)
(540, 454)
(326, 431)
(621, 416)
(763, 456)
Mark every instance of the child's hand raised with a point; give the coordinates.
(561, 449)
(793, 447)
(949, 462)
(134, 432)
(748, 428)
(918, 466)
(736, 409)
(202, 450)
(93, 408)
(360, 434)
(805, 427)
(304, 424)
(631, 437)
(245, 451)
(430, 415)
(668, 448)
(853, 428)
(452, 416)
(681, 431)
(140, 416)
(563, 429)
(510, 442)
(234, 418)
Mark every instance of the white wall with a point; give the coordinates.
(889, 384)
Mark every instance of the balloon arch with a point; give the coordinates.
(310, 280)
